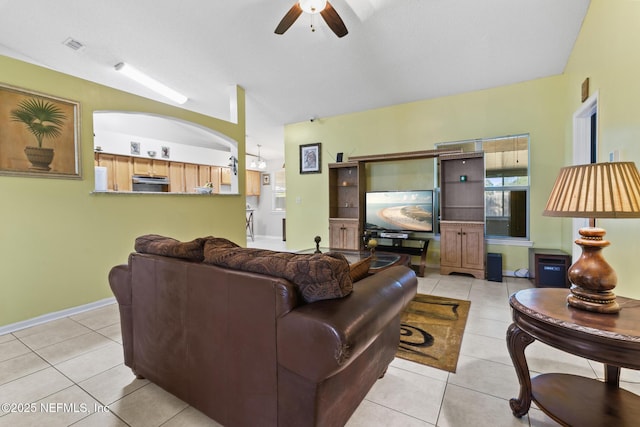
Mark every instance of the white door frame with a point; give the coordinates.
(582, 150)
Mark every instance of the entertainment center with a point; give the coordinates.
(462, 243)
(397, 220)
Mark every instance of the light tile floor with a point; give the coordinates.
(70, 372)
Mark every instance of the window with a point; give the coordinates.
(279, 191)
(506, 186)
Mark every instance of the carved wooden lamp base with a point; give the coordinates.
(592, 277)
(595, 190)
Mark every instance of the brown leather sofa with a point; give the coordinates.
(247, 350)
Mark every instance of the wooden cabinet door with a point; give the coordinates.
(335, 234)
(141, 166)
(473, 246)
(344, 234)
(159, 168)
(123, 170)
(107, 161)
(450, 241)
(119, 170)
(351, 235)
(204, 175)
(225, 176)
(150, 167)
(190, 177)
(215, 178)
(253, 183)
(176, 177)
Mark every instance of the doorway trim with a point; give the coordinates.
(582, 149)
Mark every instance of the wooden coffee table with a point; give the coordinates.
(613, 339)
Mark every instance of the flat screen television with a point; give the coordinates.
(399, 210)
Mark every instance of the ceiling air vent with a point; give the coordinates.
(73, 44)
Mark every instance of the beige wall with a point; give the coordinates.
(58, 241)
(605, 51)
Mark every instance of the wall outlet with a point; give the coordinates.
(614, 156)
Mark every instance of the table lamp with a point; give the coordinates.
(597, 190)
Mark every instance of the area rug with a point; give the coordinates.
(431, 331)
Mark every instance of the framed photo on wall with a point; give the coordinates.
(310, 158)
(39, 134)
(266, 179)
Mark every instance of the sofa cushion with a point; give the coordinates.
(155, 244)
(359, 270)
(317, 276)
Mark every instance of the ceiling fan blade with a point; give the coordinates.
(289, 19)
(334, 21)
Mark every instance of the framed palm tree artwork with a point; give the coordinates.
(39, 134)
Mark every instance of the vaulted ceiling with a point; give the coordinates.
(396, 51)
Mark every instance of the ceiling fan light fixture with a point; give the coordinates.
(313, 6)
(150, 83)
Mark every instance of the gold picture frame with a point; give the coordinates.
(39, 134)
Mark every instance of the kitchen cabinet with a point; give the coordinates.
(225, 176)
(344, 233)
(150, 167)
(253, 183)
(183, 177)
(462, 244)
(119, 171)
(190, 177)
(346, 204)
(204, 175)
(209, 174)
(215, 178)
(176, 177)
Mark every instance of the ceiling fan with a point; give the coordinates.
(323, 7)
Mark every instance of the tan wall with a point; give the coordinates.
(58, 241)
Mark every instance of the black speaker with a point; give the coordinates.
(494, 267)
(339, 157)
(552, 272)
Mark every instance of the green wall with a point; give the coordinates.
(605, 51)
(532, 107)
(58, 241)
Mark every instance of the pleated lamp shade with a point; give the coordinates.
(597, 190)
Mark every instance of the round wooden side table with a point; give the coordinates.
(613, 339)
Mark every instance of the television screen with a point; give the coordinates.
(399, 210)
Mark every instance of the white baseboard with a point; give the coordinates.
(7, 329)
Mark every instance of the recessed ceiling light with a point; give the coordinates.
(150, 83)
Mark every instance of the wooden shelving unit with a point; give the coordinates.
(408, 155)
(462, 244)
(346, 205)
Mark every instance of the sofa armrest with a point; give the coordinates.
(319, 339)
(120, 282)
